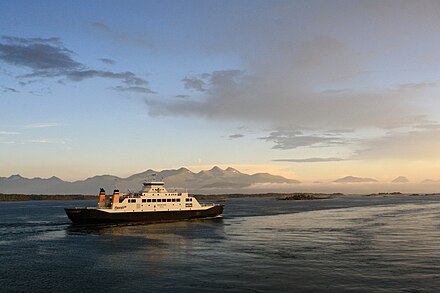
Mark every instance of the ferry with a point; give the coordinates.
(152, 204)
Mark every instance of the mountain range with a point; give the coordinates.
(207, 181)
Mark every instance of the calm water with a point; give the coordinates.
(355, 244)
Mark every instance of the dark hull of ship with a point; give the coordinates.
(94, 216)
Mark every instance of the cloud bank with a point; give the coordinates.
(48, 58)
(302, 82)
(310, 160)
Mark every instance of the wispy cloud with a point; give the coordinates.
(9, 89)
(134, 89)
(108, 61)
(182, 96)
(124, 37)
(101, 26)
(41, 125)
(235, 136)
(9, 133)
(291, 139)
(43, 141)
(310, 160)
(47, 141)
(415, 144)
(194, 83)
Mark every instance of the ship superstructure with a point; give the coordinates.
(153, 203)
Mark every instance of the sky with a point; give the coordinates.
(310, 90)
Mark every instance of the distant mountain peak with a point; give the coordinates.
(15, 177)
(230, 169)
(353, 179)
(400, 179)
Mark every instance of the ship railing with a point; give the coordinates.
(207, 204)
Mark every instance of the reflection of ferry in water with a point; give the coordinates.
(153, 204)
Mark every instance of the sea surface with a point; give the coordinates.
(346, 244)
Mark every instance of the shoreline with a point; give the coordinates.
(279, 196)
(31, 197)
(218, 197)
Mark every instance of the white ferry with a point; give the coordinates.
(153, 204)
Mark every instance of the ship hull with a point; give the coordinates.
(94, 216)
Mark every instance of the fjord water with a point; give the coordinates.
(353, 243)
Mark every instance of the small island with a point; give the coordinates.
(385, 194)
(278, 196)
(309, 196)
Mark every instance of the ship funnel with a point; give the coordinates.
(101, 199)
(116, 196)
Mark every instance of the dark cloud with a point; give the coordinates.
(310, 160)
(225, 77)
(234, 136)
(101, 26)
(27, 41)
(128, 78)
(48, 58)
(291, 139)
(182, 96)
(213, 81)
(108, 61)
(281, 101)
(318, 78)
(39, 54)
(9, 89)
(194, 83)
(134, 89)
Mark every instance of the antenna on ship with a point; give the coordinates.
(114, 184)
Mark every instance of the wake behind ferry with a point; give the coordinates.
(152, 204)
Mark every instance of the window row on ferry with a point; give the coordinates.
(162, 194)
(133, 200)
